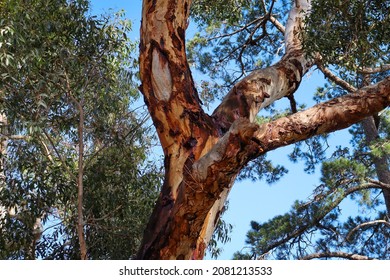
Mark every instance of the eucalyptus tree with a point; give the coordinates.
(75, 168)
(255, 53)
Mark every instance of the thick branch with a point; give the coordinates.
(246, 140)
(264, 86)
(326, 117)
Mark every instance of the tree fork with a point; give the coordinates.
(204, 154)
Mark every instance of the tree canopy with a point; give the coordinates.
(74, 147)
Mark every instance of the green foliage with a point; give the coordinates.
(209, 13)
(311, 151)
(342, 169)
(351, 34)
(261, 168)
(63, 64)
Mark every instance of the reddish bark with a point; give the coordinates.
(203, 154)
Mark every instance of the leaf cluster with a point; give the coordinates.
(351, 34)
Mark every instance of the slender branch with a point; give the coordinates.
(52, 226)
(242, 28)
(277, 24)
(106, 215)
(305, 227)
(80, 186)
(318, 218)
(336, 255)
(337, 80)
(83, 246)
(367, 224)
(16, 137)
(46, 151)
(105, 145)
(58, 154)
(367, 70)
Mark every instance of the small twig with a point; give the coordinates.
(236, 31)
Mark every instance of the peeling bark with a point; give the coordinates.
(264, 86)
(184, 130)
(203, 154)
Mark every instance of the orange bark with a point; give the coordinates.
(204, 154)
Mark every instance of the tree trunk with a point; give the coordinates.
(380, 163)
(203, 154)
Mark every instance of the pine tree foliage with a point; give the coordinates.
(352, 39)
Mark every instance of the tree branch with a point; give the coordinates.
(59, 156)
(367, 224)
(246, 140)
(315, 222)
(336, 255)
(337, 80)
(262, 87)
(242, 28)
(80, 183)
(367, 70)
(277, 24)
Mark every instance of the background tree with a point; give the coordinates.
(74, 152)
(204, 153)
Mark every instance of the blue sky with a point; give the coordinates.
(250, 201)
